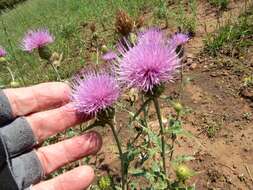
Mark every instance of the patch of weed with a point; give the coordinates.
(183, 16)
(212, 129)
(221, 4)
(238, 34)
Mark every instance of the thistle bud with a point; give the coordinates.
(183, 172)
(14, 84)
(104, 183)
(124, 23)
(177, 107)
(2, 59)
(104, 49)
(95, 36)
(45, 53)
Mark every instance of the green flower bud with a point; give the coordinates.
(104, 49)
(177, 106)
(183, 172)
(2, 60)
(133, 38)
(45, 53)
(14, 84)
(104, 183)
(95, 36)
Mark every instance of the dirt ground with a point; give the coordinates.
(221, 113)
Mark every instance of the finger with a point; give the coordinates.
(36, 98)
(47, 123)
(5, 110)
(54, 156)
(77, 179)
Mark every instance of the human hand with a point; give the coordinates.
(36, 113)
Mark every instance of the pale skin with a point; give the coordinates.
(47, 109)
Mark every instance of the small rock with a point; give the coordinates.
(213, 74)
(193, 66)
(225, 73)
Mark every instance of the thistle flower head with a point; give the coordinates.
(35, 39)
(148, 64)
(152, 35)
(94, 92)
(179, 39)
(2, 52)
(109, 56)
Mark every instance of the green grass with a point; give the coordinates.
(238, 34)
(64, 18)
(183, 16)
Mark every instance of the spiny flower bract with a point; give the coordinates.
(179, 39)
(94, 92)
(35, 39)
(148, 64)
(2, 52)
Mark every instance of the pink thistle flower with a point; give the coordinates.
(94, 92)
(35, 39)
(109, 56)
(3, 53)
(152, 35)
(179, 39)
(148, 64)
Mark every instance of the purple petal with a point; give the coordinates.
(3, 53)
(35, 39)
(151, 62)
(179, 39)
(94, 92)
(109, 56)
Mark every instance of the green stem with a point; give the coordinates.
(124, 179)
(158, 112)
(11, 73)
(181, 82)
(174, 137)
(144, 108)
(145, 111)
(140, 110)
(56, 71)
(137, 136)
